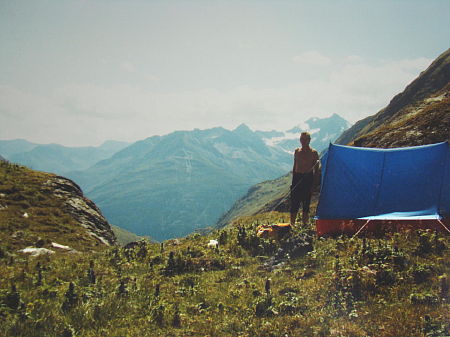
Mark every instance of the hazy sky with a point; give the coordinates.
(81, 72)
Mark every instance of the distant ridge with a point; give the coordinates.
(57, 158)
(11, 147)
(322, 130)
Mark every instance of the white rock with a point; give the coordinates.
(367, 270)
(57, 245)
(102, 239)
(213, 243)
(36, 251)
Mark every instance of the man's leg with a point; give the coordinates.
(293, 217)
(295, 199)
(307, 199)
(305, 218)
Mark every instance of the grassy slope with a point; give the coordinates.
(124, 236)
(24, 191)
(393, 287)
(270, 195)
(257, 197)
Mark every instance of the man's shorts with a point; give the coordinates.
(301, 191)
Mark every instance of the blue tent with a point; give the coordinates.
(400, 183)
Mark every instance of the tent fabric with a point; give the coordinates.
(400, 183)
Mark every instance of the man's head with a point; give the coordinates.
(305, 138)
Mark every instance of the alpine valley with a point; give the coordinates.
(168, 186)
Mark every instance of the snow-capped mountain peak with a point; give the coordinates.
(322, 130)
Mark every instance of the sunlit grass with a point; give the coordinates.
(391, 286)
(312, 295)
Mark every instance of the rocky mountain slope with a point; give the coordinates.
(417, 116)
(40, 210)
(424, 122)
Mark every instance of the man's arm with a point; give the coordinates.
(317, 163)
(317, 171)
(295, 159)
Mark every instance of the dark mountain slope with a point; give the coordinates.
(425, 122)
(424, 93)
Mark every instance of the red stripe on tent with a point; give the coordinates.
(342, 226)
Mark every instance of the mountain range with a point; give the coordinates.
(167, 186)
(57, 158)
(323, 131)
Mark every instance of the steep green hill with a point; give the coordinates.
(301, 286)
(123, 236)
(259, 197)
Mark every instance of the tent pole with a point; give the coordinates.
(362, 227)
(443, 225)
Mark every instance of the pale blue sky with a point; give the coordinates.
(81, 72)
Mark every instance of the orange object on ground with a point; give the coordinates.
(275, 231)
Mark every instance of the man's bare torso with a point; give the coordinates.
(304, 160)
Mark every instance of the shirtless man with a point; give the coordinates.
(306, 165)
